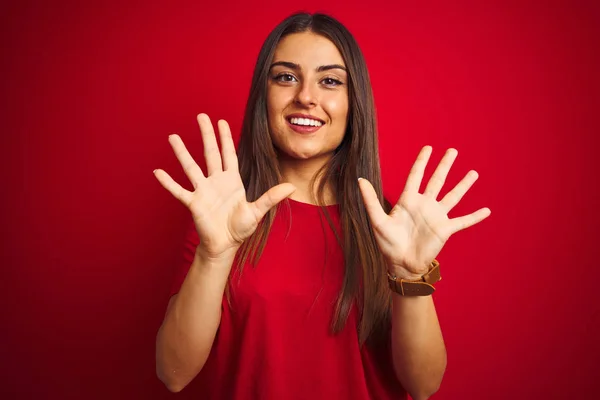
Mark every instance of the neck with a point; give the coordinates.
(300, 173)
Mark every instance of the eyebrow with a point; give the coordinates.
(296, 67)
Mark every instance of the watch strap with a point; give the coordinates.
(421, 287)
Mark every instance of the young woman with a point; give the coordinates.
(300, 280)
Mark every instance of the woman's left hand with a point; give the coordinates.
(417, 228)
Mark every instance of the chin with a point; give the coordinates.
(306, 155)
(298, 155)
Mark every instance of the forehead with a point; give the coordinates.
(307, 49)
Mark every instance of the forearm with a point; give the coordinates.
(186, 336)
(418, 349)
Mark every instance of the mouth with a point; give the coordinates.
(302, 120)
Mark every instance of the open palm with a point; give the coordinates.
(221, 213)
(416, 229)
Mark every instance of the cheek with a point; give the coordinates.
(277, 98)
(337, 108)
(270, 102)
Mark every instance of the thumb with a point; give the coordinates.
(271, 198)
(371, 201)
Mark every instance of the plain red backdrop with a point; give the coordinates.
(90, 92)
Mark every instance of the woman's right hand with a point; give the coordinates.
(221, 213)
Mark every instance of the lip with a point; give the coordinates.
(305, 116)
(303, 129)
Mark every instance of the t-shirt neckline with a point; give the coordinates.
(301, 204)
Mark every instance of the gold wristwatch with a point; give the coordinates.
(420, 287)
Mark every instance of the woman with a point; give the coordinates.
(326, 308)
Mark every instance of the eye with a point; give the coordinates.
(285, 78)
(331, 82)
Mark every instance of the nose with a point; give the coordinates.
(306, 95)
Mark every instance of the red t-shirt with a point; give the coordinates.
(274, 341)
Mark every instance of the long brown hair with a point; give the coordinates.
(357, 156)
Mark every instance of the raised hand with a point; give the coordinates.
(221, 213)
(417, 228)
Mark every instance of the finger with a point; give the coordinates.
(372, 204)
(413, 182)
(212, 154)
(173, 187)
(230, 160)
(438, 178)
(191, 169)
(271, 198)
(452, 198)
(460, 223)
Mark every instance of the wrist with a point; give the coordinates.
(409, 283)
(406, 274)
(210, 257)
(213, 264)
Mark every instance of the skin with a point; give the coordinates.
(416, 229)
(418, 350)
(409, 237)
(304, 88)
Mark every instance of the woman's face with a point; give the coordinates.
(307, 97)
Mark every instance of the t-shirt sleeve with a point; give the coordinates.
(190, 242)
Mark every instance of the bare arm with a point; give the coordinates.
(224, 219)
(410, 237)
(418, 349)
(193, 315)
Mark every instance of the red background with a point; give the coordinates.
(90, 93)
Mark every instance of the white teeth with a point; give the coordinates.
(305, 122)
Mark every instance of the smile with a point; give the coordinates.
(305, 122)
(304, 125)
